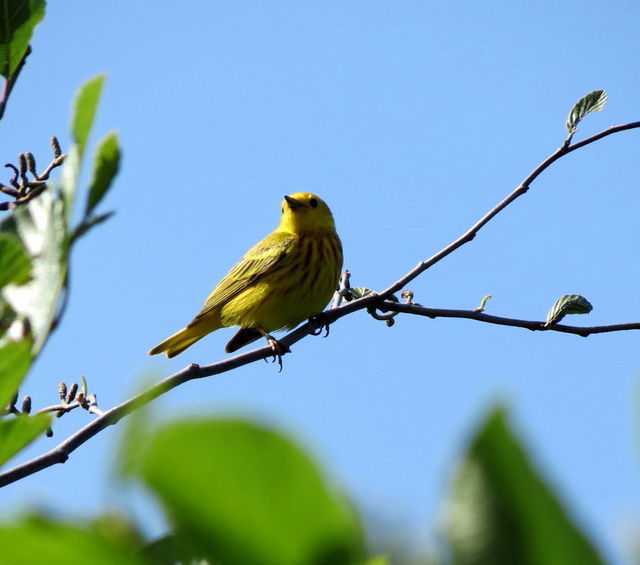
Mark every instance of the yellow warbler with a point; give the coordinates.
(282, 280)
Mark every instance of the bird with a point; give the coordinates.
(287, 277)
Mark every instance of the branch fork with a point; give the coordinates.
(20, 188)
(341, 306)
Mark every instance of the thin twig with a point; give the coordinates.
(62, 408)
(61, 452)
(343, 287)
(521, 189)
(11, 81)
(534, 325)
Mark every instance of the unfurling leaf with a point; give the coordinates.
(592, 102)
(567, 304)
(357, 292)
(483, 303)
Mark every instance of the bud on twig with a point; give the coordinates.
(55, 146)
(31, 163)
(72, 393)
(26, 405)
(407, 295)
(62, 391)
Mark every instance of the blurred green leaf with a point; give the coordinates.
(15, 265)
(167, 551)
(17, 20)
(105, 168)
(15, 360)
(243, 495)
(378, 560)
(592, 102)
(567, 304)
(41, 227)
(7, 318)
(136, 430)
(500, 510)
(37, 540)
(117, 529)
(19, 431)
(84, 111)
(82, 116)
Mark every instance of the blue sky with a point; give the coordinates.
(411, 119)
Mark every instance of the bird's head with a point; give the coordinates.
(304, 212)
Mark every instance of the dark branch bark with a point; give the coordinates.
(584, 331)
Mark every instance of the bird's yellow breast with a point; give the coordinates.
(298, 289)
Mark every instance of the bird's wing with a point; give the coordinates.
(264, 257)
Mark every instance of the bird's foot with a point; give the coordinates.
(323, 324)
(279, 349)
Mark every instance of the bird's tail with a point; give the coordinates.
(186, 337)
(243, 337)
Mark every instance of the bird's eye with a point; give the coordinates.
(313, 202)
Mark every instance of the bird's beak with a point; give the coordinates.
(293, 203)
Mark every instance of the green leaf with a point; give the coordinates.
(592, 102)
(501, 511)
(84, 111)
(41, 226)
(15, 360)
(7, 318)
(167, 551)
(243, 495)
(17, 20)
(82, 116)
(38, 540)
(135, 432)
(19, 431)
(116, 528)
(105, 168)
(15, 265)
(358, 292)
(378, 560)
(567, 304)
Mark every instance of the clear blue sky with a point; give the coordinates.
(411, 119)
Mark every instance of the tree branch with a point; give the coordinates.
(584, 331)
(521, 189)
(61, 452)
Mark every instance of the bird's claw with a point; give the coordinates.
(278, 349)
(323, 324)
